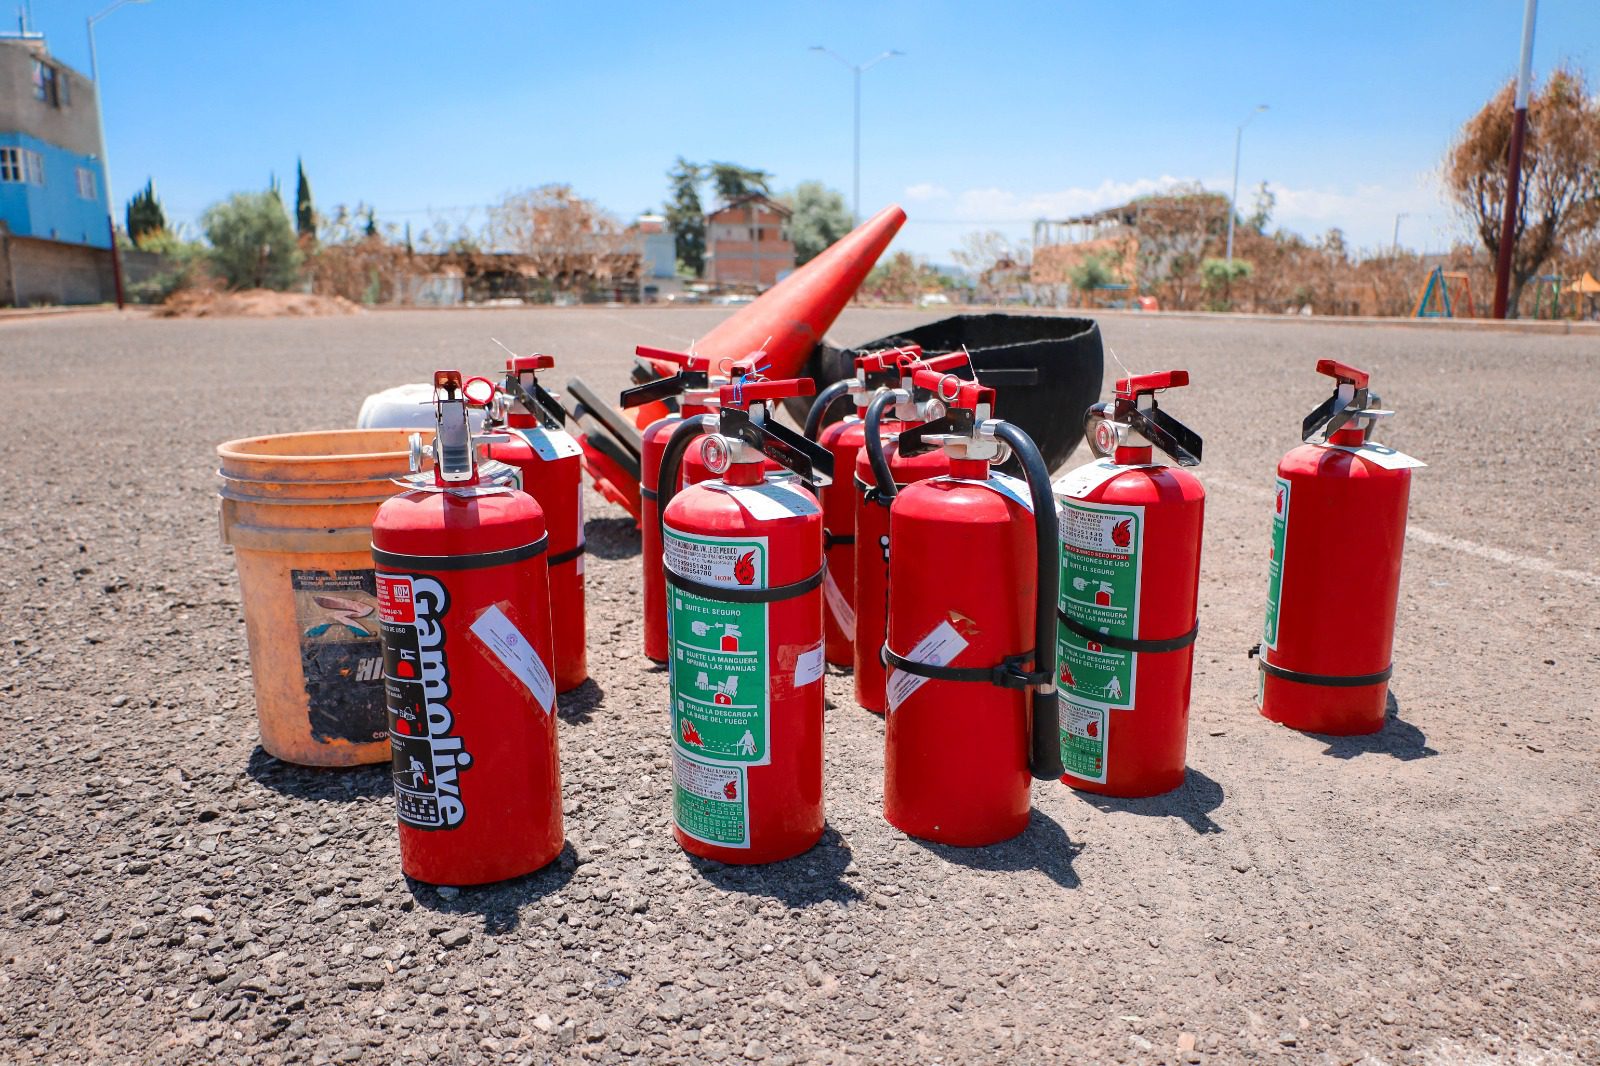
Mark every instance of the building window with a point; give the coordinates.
(21, 165)
(47, 84)
(86, 184)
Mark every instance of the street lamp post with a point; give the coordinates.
(1233, 201)
(1394, 248)
(857, 69)
(105, 163)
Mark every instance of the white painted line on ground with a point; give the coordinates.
(1441, 540)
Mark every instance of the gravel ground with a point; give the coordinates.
(170, 893)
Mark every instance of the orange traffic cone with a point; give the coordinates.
(797, 311)
(789, 319)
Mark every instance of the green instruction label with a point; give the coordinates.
(718, 674)
(1280, 531)
(1084, 730)
(1101, 566)
(709, 801)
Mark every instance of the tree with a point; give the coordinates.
(371, 229)
(686, 218)
(1219, 276)
(569, 240)
(819, 218)
(993, 259)
(252, 241)
(1560, 195)
(144, 214)
(305, 217)
(1091, 273)
(733, 181)
(1261, 214)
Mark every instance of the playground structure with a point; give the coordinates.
(1437, 300)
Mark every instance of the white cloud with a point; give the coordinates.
(925, 191)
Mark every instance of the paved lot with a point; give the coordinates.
(169, 893)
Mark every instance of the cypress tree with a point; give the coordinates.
(305, 217)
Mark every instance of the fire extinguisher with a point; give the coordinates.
(463, 600)
(881, 470)
(1130, 534)
(1338, 530)
(692, 382)
(743, 562)
(843, 440)
(539, 447)
(972, 628)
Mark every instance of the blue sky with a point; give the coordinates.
(999, 113)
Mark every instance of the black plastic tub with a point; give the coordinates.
(1045, 369)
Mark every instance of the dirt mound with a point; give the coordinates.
(254, 303)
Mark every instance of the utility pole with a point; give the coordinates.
(856, 70)
(1519, 129)
(105, 163)
(1233, 201)
(1394, 248)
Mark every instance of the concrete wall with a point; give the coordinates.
(72, 126)
(36, 272)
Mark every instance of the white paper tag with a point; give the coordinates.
(843, 614)
(808, 667)
(1380, 455)
(549, 444)
(770, 500)
(502, 637)
(935, 649)
(1004, 484)
(1076, 484)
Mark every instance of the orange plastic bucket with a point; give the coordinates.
(297, 509)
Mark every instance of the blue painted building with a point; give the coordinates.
(55, 237)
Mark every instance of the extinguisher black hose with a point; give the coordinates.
(1045, 757)
(819, 409)
(874, 445)
(672, 464)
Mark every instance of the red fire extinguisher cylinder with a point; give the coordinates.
(880, 471)
(971, 637)
(551, 464)
(1130, 557)
(1339, 528)
(743, 570)
(463, 599)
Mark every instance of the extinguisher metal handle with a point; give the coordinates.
(889, 359)
(537, 402)
(779, 443)
(951, 390)
(662, 388)
(1136, 385)
(1344, 373)
(742, 393)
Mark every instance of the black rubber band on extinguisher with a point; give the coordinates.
(648, 494)
(1326, 680)
(570, 554)
(1129, 643)
(735, 594)
(469, 561)
(1012, 672)
(830, 540)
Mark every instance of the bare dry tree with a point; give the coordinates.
(1561, 172)
(568, 240)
